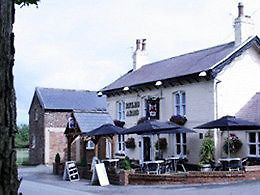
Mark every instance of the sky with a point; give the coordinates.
(87, 44)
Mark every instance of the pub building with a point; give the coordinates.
(199, 87)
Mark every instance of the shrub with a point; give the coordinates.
(126, 163)
(57, 158)
(207, 150)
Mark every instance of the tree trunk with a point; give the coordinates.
(8, 170)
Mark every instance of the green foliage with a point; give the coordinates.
(22, 136)
(126, 163)
(27, 2)
(57, 158)
(207, 150)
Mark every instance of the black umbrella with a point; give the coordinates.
(106, 129)
(156, 127)
(229, 123)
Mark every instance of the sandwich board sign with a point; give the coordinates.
(99, 174)
(102, 174)
(70, 171)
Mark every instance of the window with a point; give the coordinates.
(90, 145)
(33, 141)
(180, 103)
(35, 115)
(120, 143)
(254, 144)
(181, 144)
(120, 110)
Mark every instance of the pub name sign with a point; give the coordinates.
(132, 108)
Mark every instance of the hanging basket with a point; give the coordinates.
(130, 143)
(233, 143)
(178, 119)
(162, 142)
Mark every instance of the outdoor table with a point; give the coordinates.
(231, 163)
(111, 162)
(153, 166)
(174, 160)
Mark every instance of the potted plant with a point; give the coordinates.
(207, 153)
(233, 143)
(126, 163)
(130, 143)
(178, 119)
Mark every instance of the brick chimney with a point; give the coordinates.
(140, 54)
(243, 26)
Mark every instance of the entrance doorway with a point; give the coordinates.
(146, 148)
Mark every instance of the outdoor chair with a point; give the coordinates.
(215, 166)
(153, 168)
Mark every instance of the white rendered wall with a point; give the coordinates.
(240, 81)
(199, 109)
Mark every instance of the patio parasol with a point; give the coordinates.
(157, 127)
(151, 127)
(229, 123)
(106, 129)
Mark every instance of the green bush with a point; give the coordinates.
(126, 163)
(207, 150)
(22, 136)
(57, 158)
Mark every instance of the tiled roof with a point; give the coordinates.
(88, 121)
(64, 99)
(251, 111)
(179, 66)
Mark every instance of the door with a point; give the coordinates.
(146, 148)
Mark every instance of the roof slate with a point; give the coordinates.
(251, 111)
(66, 99)
(183, 65)
(88, 121)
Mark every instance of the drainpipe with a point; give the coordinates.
(216, 132)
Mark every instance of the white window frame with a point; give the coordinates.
(90, 145)
(181, 144)
(36, 117)
(33, 141)
(121, 144)
(181, 103)
(120, 110)
(256, 143)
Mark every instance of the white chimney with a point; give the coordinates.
(140, 54)
(243, 25)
